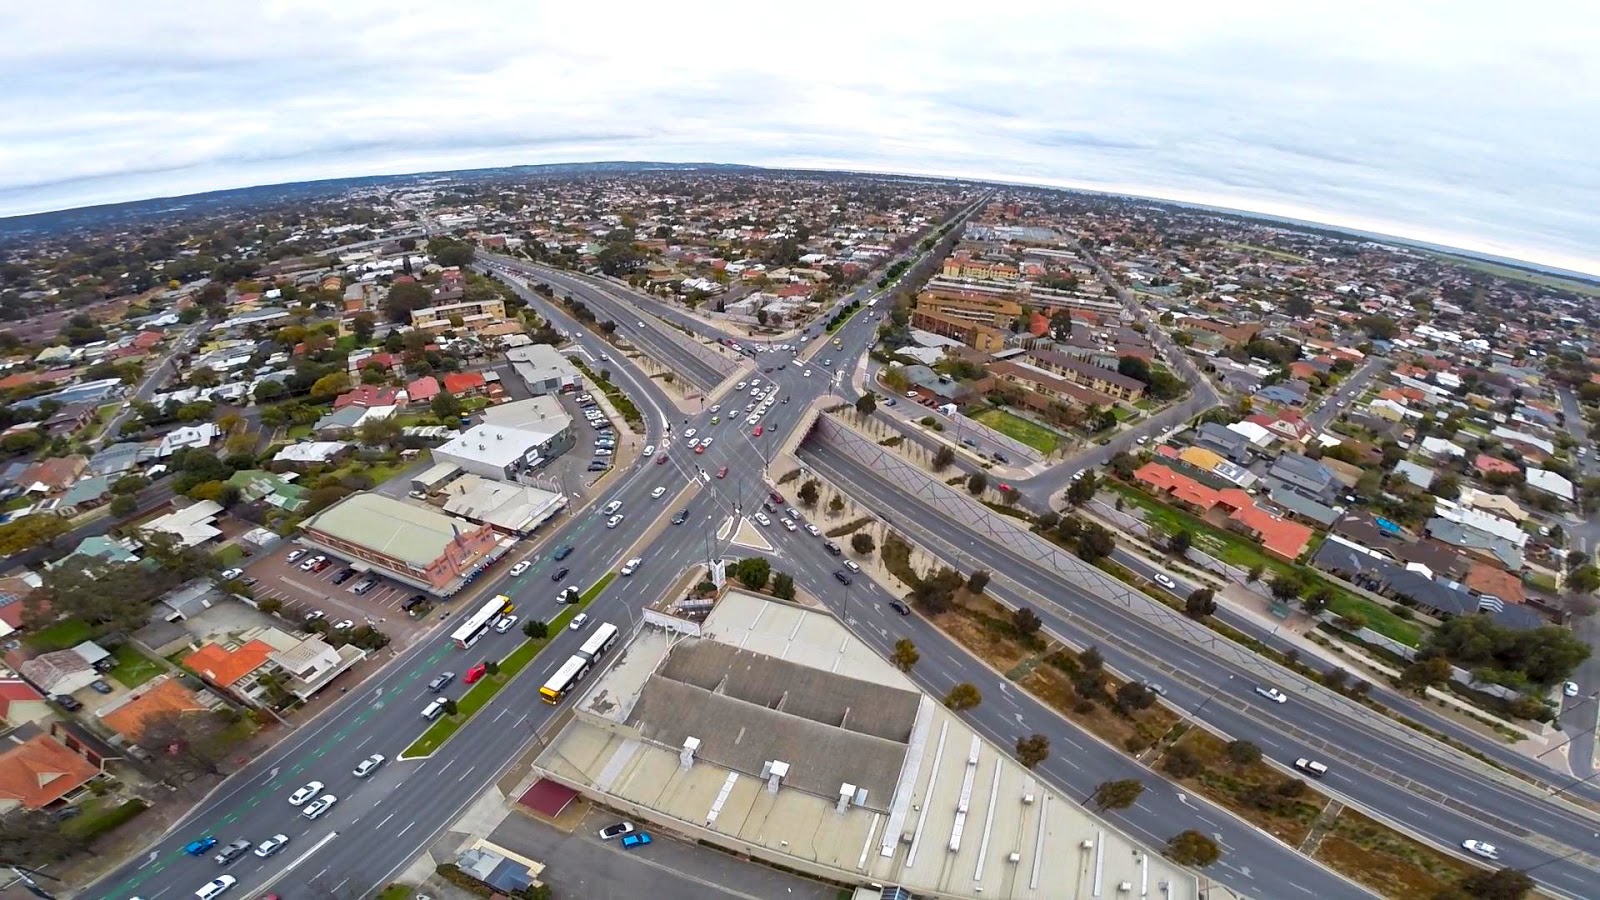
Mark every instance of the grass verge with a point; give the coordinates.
(99, 817)
(1017, 428)
(1386, 861)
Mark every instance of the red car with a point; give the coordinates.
(661, 459)
(777, 498)
(759, 429)
(476, 672)
(722, 472)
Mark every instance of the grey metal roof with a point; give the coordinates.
(1388, 577)
(390, 527)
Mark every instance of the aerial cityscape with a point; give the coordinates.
(431, 512)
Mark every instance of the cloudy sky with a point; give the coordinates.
(1474, 124)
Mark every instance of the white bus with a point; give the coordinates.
(873, 302)
(565, 679)
(599, 642)
(479, 622)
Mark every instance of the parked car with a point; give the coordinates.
(617, 830)
(635, 840)
(100, 687)
(68, 702)
(231, 574)
(1570, 689)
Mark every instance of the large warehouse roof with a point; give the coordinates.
(391, 527)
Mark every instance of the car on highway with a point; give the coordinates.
(1570, 689)
(649, 449)
(832, 548)
(440, 680)
(215, 887)
(569, 595)
(368, 766)
(305, 793)
(477, 671)
(566, 549)
(842, 576)
(900, 607)
(198, 847)
(716, 407)
(776, 497)
(657, 493)
(722, 472)
(762, 518)
(232, 851)
(851, 565)
(789, 524)
(632, 565)
(505, 624)
(578, 622)
(1164, 581)
(559, 574)
(813, 530)
(520, 567)
(318, 807)
(271, 845)
(1143, 439)
(1272, 693)
(806, 374)
(704, 446)
(1311, 767)
(1481, 848)
(635, 840)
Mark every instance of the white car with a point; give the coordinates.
(762, 518)
(649, 449)
(611, 507)
(578, 621)
(520, 567)
(789, 524)
(1166, 582)
(1570, 689)
(305, 793)
(716, 407)
(753, 419)
(705, 444)
(813, 530)
(632, 565)
(806, 374)
(1481, 848)
(690, 433)
(1272, 693)
(740, 386)
(656, 494)
(614, 521)
(231, 574)
(316, 808)
(344, 625)
(369, 765)
(271, 845)
(217, 886)
(505, 624)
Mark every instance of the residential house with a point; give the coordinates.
(423, 390)
(1284, 393)
(232, 668)
(186, 437)
(368, 396)
(1225, 441)
(1552, 483)
(163, 695)
(310, 453)
(1303, 475)
(1419, 476)
(1440, 448)
(38, 771)
(1364, 567)
(85, 495)
(192, 525)
(1491, 465)
(1488, 580)
(59, 672)
(976, 335)
(52, 476)
(1287, 425)
(119, 459)
(464, 384)
(21, 703)
(1231, 508)
(271, 488)
(1478, 543)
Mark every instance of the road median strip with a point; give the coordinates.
(479, 695)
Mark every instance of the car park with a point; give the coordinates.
(344, 625)
(505, 624)
(559, 574)
(635, 840)
(440, 680)
(520, 567)
(305, 793)
(842, 576)
(369, 765)
(342, 576)
(614, 521)
(632, 565)
(318, 807)
(578, 621)
(364, 585)
(295, 555)
(233, 851)
(310, 564)
(603, 451)
(271, 845)
(1311, 767)
(1272, 693)
(200, 846)
(598, 465)
(656, 494)
(477, 671)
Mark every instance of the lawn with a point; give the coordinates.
(1266, 251)
(60, 636)
(395, 892)
(229, 556)
(1017, 428)
(134, 668)
(100, 815)
(299, 432)
(1237, 551)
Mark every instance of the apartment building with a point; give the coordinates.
(970, 306)
(1041, 388)
(956, 267)
(983, 338)
(1105, 381)
(473, 315)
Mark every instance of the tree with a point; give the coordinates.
(329, 386)
(490, 667)
(405, 297)
(1133, 696)
(1083, 489)
(1117, 794)
(1061, 325)
(835, 505)
(1540, 656)
(204, 378)
(1193, 848)
(1179, 542)
(963, 696)
(445, 405)
(385, 432)
(1318, 600)
(1243, 753)
(268, 391)
(809, 493)
(1032, 750)
(448, 707)
(123, 505)
(943, 457)
(862, 543)
(1425, 673)
(537, 629)
(1135, 368)
(905, 655)
(1200, 603)
(977, 581)
(1095, 542)
(188, 744)
(35, 838)
(867, 404)
(783, 586)
(1287, 585)
(1256, 571)
(753, 572)
(362, 326)
(449, 252)
(27, 532)
(1501, 884)
(1025, 622)
(976, 483)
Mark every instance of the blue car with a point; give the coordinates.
(196, 848)
(637, 839)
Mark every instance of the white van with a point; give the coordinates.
(434, 710)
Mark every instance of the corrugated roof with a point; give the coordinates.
(390, 527)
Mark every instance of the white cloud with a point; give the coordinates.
(1464, 123)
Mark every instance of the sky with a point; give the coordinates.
(1470, 124)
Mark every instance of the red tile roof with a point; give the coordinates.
(222, 666)
(461, 382)
(169, 696)
(1495, 581)
(1490, 464)
(15, 690)
(40, 771)
(423, 389)
(1278, 535)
